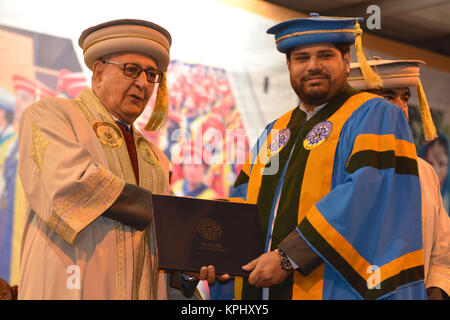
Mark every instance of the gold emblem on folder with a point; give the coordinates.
(209, 229)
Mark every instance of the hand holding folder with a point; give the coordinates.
(193, 233)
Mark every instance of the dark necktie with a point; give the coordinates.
(131, 147)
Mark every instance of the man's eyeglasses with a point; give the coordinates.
(133, 70)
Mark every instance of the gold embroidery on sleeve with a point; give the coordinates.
(38, 147)
(73, 213)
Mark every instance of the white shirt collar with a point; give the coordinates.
(310, 114)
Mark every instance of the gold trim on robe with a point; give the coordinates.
(152, 178)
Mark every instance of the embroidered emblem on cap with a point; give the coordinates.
(143, 148)
(108, 134)
(318, 135)
(279, 141)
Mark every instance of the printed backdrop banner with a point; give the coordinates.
(201, 111)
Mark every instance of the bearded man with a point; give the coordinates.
(335, 181)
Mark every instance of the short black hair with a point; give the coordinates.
(341, 46)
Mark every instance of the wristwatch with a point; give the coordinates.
(285, 263)
(188, 278)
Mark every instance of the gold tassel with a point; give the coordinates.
(372, 79)
(238, 286)
(159, 115)
(429, 130)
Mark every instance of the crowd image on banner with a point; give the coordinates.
(204, 137)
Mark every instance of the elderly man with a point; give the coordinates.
(88, 173)
(398, 76)
(331, 213)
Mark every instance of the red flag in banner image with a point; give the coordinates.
(71, 83)
(24, 84)
(43, 90)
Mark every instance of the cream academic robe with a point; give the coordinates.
(436, 230)
(74, 164)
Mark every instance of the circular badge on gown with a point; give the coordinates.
(279, 141)
(318, 135)
(108, 134)
(143, 148)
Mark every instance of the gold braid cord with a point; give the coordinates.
(389, 76)
(126, 35)
(303, 33)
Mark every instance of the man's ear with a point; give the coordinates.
(97, 72)
(346, 58)
(288, 60)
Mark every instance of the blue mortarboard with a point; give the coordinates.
(321, 29)
(7, 100)
(315, 29)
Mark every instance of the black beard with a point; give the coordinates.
(314, 99)
(319, 98)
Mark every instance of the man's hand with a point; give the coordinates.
(266, 271)
(209, 273)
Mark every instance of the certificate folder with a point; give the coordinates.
(191, 233)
